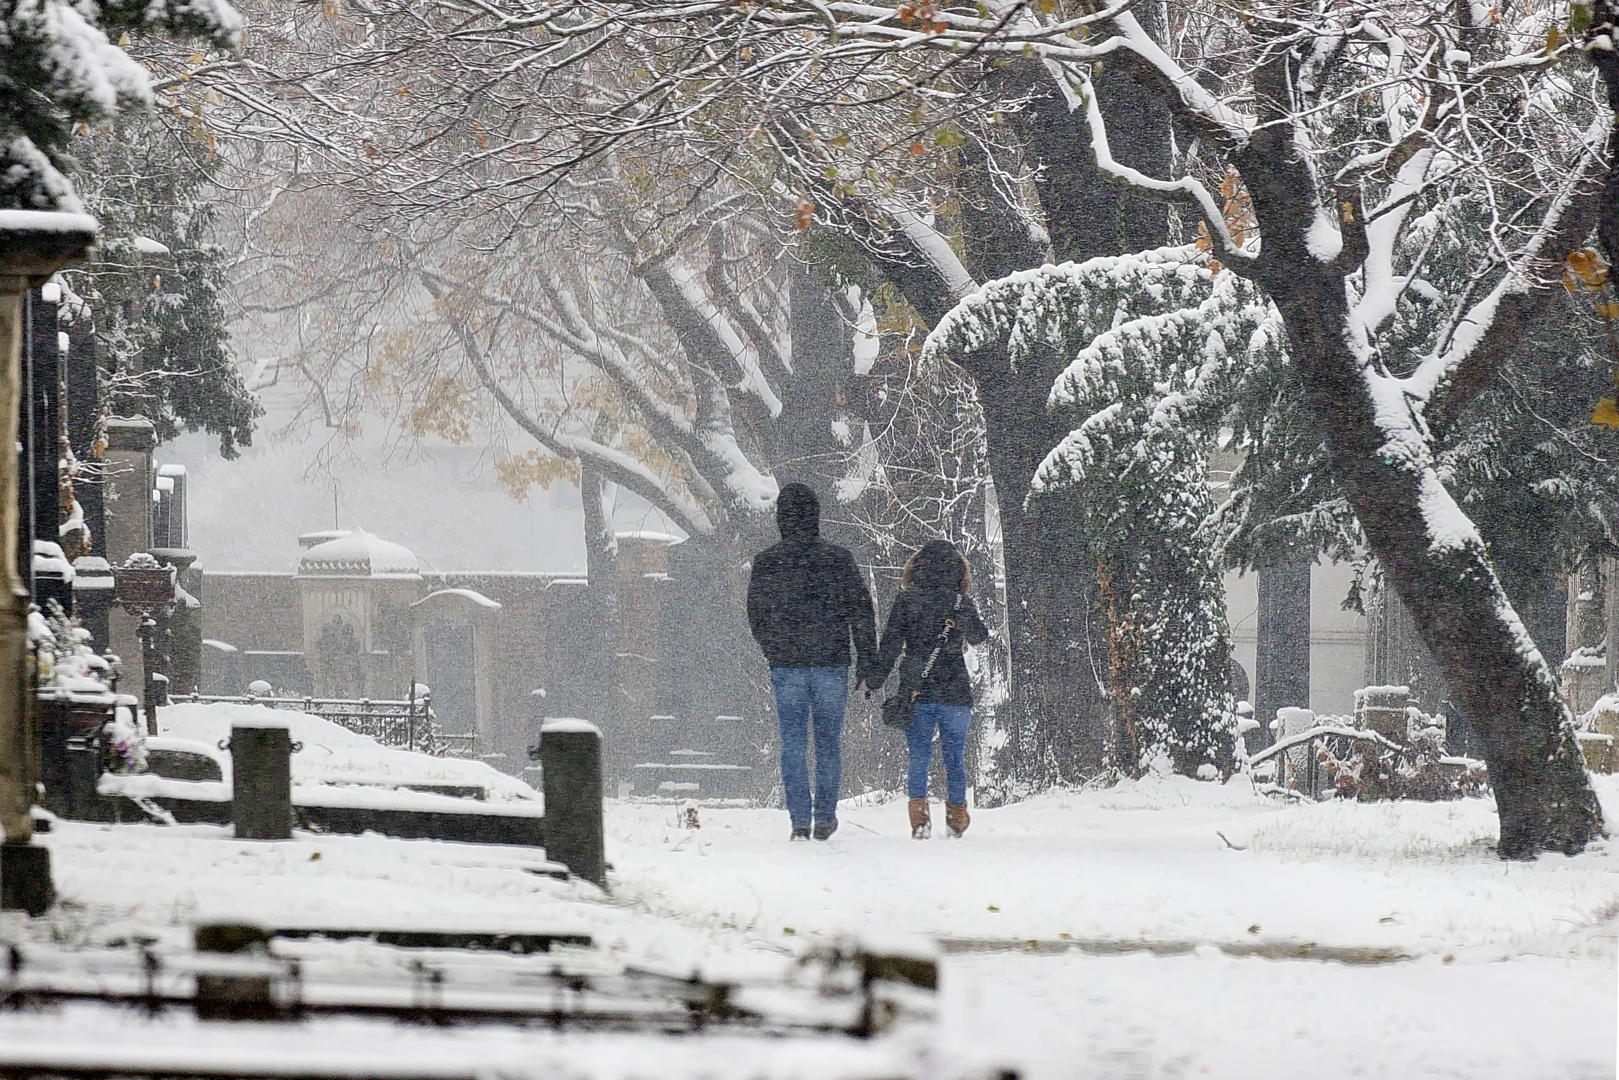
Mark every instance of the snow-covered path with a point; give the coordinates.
(1513, 971)
(1157, 862)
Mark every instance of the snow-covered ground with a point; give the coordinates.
(1117, 933)
(1097, 934)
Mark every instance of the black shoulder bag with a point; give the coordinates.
(900, 706)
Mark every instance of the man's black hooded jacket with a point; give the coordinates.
(806, 597)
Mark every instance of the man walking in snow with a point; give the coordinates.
(806, 601)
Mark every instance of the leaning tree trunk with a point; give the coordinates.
(1439, 566)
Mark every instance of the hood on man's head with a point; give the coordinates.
(936, 566)
(798, 512)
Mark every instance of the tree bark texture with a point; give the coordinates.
(1058, 710)
(1057, 713)
(1501, 682)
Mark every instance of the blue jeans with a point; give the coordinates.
(952, 722)
(803, 693)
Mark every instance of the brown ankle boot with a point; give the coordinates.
(921, 824)
(956, 819)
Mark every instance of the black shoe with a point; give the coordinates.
(799, 834)
(823, 832)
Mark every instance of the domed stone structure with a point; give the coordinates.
(356, 591)
(359, 554)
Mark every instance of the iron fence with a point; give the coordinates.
(407, 724)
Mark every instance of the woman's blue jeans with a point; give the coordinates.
(803, 695)
(952, 723)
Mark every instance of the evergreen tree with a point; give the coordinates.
(155, 286)
(58, 71)
(1157, 344)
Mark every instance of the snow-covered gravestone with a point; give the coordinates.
(261, 764)
(1296, 759)
(571, 771)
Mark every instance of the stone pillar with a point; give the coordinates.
(128, 525)
(18, 750)
(1586, 672)
(182, 626)
(43, 408)
(33, 246)
(1396, 656)
(571, 768)
(1282, 653)
(261, 792)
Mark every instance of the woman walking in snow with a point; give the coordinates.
(933, 617)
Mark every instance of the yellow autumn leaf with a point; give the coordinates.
(1585, 268)
(1606, 414)
(1609, 310)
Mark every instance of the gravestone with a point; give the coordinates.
(261, 762)
(571, 769)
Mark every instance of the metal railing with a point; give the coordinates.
(407, 724)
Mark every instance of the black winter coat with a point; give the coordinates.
(806, 599)
(913, 625)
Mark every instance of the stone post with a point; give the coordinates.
(145, 631)
(1610, 611)
(571, 766)
(261, 767)
(33, 246)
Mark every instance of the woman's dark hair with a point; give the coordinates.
(937, 565)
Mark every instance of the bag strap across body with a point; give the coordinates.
(933, 657)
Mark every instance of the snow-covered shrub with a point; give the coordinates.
(1416, 767)
(63, 657)
(1157, 341)
(66, 667)
(59, 70)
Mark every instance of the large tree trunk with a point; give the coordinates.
(1441, 570)
(1058, 714)
(1056, 711)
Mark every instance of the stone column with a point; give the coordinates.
(128, 526)
(1282, 651)
(33, 246)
